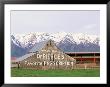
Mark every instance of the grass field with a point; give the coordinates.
(55, 73)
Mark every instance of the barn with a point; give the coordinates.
(86, 59)
(46, 55)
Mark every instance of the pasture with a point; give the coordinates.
(15, 72)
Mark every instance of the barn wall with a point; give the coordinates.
(49, 57)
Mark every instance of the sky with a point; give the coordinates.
(55, 21)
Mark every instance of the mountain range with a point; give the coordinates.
(67, 42)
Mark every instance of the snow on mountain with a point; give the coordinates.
(15, 41)
(73, 42)
(32, 38)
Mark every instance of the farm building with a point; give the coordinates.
(46, 55)
(86, 59)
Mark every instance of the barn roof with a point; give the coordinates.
(24, 57)
(82, 52)
(38, 46)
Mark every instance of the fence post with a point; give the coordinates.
(85, 66)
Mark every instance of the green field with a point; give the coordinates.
(55, 73)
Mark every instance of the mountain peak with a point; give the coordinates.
(69, 42)
(35, 37)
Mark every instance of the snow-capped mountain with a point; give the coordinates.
(24, 40)
(74, 42)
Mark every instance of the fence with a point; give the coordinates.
(87, 66)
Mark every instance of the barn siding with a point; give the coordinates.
(49, 57)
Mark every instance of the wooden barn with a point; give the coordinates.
(46, 55)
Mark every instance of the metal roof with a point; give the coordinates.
(24, 57)
(82, 52)
(38, 46)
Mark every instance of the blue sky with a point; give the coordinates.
(55, 21)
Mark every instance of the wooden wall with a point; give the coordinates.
(49, 57)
